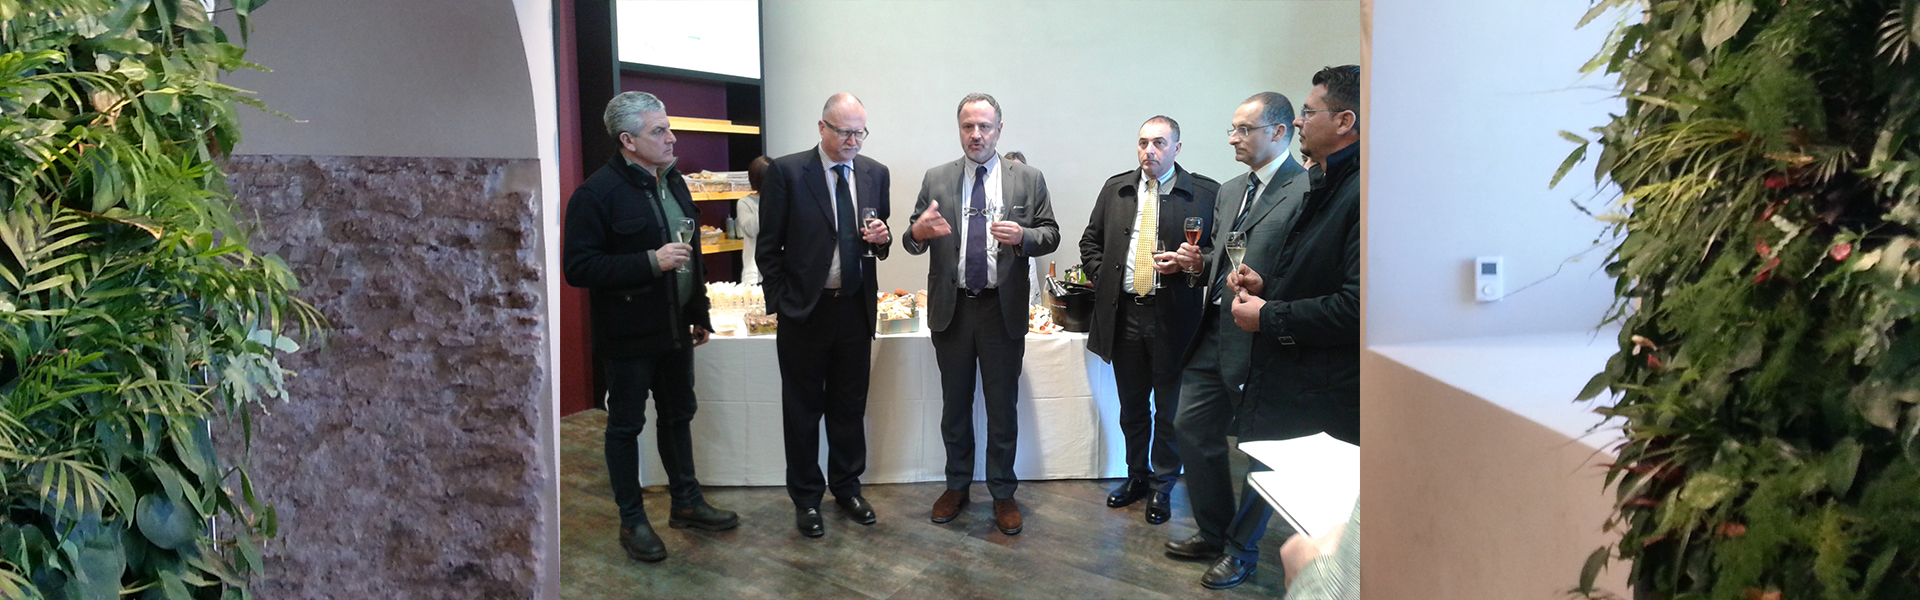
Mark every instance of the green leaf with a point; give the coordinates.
(98, 560)
(1724, 21)
(1573, 158)
(1591, 571)
(1842, 464)
(1707, 490)
(167, 523)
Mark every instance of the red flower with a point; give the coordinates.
(1841, 251)
(1654, 361)
(1766, 271)
(1776, 181)
(1760, 245)
(1733, 530)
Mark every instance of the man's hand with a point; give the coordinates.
(1166, 263)
(699, 334)
(1007, 232)
(876, 232)
(1188, 257)
(1245, 280)
(671, 256)
(1246, 311)
(930, 224)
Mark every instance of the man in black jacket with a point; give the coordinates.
(1140, 327)
(647, 313)
(1305, 312)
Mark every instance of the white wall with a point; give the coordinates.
(418, 78)
(1466, 98)
(1076, 80)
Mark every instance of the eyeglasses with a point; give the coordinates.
(1307, 113)
(845, 134)
(1244, 131)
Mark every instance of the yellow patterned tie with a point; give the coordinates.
(1149, 231)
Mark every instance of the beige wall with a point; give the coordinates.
(420, 78)
(1076, 80)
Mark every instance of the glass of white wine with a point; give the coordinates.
(993, 215)
(684, 234)
(1236, 249)
(1159, 248)
(868, 216)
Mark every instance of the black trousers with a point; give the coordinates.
(669, 377)
(977, 339)
(1205, 418)
(824, 368)
(1147, 368)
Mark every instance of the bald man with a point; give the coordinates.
(817, 255)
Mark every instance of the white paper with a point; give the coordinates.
(1314, 482)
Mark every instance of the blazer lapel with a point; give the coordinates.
(1275, 194)
(817, 183)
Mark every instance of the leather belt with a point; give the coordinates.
(1146, 300)
(986, 293)
(835, 293)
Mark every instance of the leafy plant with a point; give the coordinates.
(131, 311)
(1768, 377)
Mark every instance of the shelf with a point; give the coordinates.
(725, 245)
(713, 125)
(704, 196)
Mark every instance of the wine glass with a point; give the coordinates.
(1193, 237)
(684, 234)
(1159, 247)
(993, 215)
(1236, 249)
(868, 216)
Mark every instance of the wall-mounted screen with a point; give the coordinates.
(709, 36)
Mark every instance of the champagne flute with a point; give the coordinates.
(868, 216)
(993, 215)
(1193, 237)
(1236, 248)
(1159, 247)
(684, 234)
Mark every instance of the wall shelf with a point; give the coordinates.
(713, 125)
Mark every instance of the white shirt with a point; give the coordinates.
(827, 164)
(993, 202)
(1133, 240)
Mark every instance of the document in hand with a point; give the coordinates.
(1314, 482)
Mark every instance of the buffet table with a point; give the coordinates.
(1069, 414)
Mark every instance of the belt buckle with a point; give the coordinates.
(1142, 300)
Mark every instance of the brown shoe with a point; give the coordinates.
(948, 506)
(1006, 516)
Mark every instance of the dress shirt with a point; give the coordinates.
(827, 164)
(1133, 239)
(993, 201)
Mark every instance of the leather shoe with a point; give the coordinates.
(704, 516)
(1227, 572)
(857, 509)
(1195, 547)
(808, 521)
(949, 505)
(1006, 516)
(642, 544)
(1128, 493)
(1159, 508)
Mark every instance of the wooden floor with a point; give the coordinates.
(1073, 546)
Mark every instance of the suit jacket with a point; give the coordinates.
(1023, 192)
(1105, 251)
(1267, 225)
(798, 234)
(1306, 357)
(614, 223)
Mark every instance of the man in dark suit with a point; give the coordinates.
(1303, 309)
(1140, 326)
(983, 218)
(815, 277)
(647, 315)
(1261, 204)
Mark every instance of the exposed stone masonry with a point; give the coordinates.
(406, 464)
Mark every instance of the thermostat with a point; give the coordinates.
(1489, 273)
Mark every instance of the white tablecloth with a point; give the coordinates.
(1069, 414)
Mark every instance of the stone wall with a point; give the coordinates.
(407, 462)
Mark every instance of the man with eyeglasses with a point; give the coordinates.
(817, 255)
(1140, 320)
(982, 218)
(647, 314)
(1303, 311)
(1259, 204)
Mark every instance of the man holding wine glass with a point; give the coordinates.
(982, 218)
(1141, 320)
(817, 266)
(649, 309)
(1259, 206)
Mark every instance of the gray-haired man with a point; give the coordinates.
(647, 314)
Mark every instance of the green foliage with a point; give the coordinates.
(132, 313)
(1768, 279)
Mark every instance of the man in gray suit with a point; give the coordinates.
(982, 218)
(1260, 203)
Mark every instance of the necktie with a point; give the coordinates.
(977, 233)
(1149, 231)
(849, 229)
(1246, 206)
